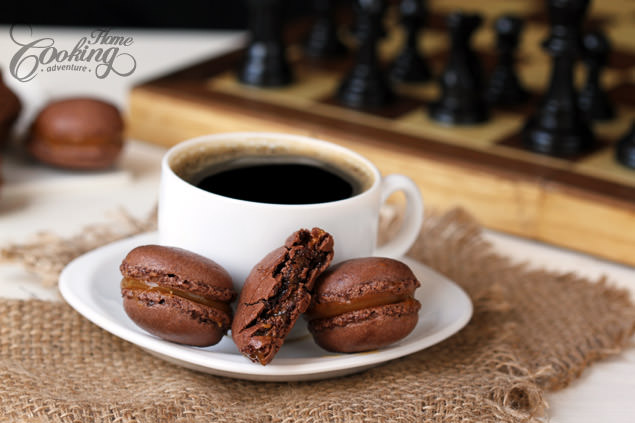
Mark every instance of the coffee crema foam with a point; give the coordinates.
(194, 162)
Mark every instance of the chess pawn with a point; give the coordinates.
(265, 62)
(593, 99)
(410, 66)
(625, 149)
(323, 41)
(365, 86)
(504, 88)
(462, 101)
(558, 127)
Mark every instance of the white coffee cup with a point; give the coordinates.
(237, 234)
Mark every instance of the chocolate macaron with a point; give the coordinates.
(363, 304)
(277, 291)
(177, 295)
(77, 133)
(10, 107)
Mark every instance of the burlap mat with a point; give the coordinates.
(531, 331)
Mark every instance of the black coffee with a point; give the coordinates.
(279, 183)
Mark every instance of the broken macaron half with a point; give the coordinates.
(277, 291)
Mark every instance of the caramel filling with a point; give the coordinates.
(131, 283)
(324, 310)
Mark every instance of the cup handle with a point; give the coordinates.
(409, 231)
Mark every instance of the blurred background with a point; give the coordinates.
(194, 14)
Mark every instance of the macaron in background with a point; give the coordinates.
(77, 133)
(363, 304)
(177, 295)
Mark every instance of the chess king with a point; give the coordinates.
(559, 127)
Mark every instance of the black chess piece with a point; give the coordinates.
(365, 86)
(504, 88)
(593, 100)
(558, 127)
(625, 149)
(410, 65)
(358, 28)
(462, 100)
(265, 62)
(323, 41)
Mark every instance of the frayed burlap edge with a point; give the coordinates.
(562, 365)
(46, 254)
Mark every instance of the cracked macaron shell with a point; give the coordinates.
(257, 332)
(369, 327)
(165, 313)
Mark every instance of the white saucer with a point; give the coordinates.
(90, 284)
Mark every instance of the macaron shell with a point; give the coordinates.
(173, 267)
(355, 278)
(175, 319)
(74, 156)
(260, 283)
(366, 329)
(74, 120)
(10, 107)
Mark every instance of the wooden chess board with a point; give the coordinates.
(586, 203)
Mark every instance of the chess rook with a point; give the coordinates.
(323, 41)
(625, 150)
(410, 65)
(504, 88)
(365, 86)
(593, 100)
(558, 127)
(462, 100)
(265, 62)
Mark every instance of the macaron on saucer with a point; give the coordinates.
(363, 304)
(177, 295)
(91, 285)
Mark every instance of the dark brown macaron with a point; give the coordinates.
(177, 295)
(363, 304)
(278, 291)
(77, 133)
(10, 108)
